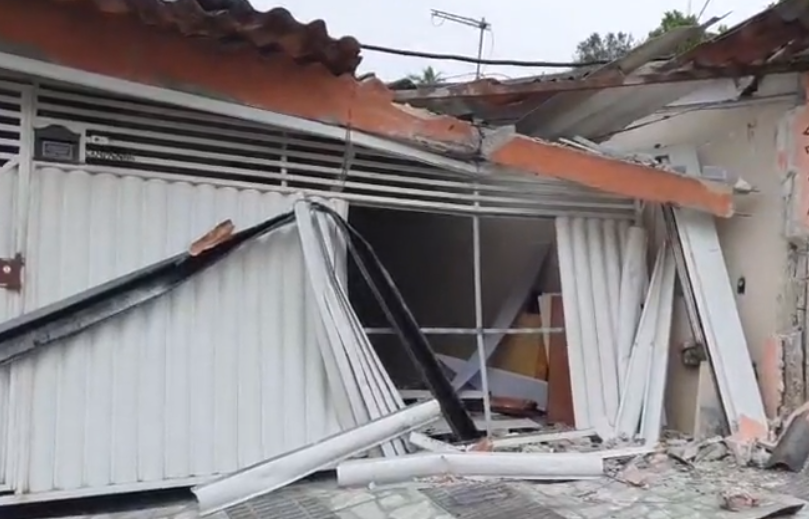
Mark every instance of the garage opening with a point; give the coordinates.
(431, 258)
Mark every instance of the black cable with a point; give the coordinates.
(404, 324)
(470, 59)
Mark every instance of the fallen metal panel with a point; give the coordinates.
(219, 374)
(589, 264)
(631, 296)
(653, 417)
(398, 314)
(637, 378)
(700, 252)
(726, 343)
(370, 390)
(582, 406)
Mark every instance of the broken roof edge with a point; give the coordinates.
(310, 100)
(670, 69)
(616, 73)
(608, 173)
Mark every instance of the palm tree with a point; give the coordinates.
(428, 77)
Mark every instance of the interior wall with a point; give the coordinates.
(743, 141)
(430, 257)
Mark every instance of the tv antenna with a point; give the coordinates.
(482, 25)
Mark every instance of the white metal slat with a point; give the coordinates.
(529, 191)
(10, 302)
(374, 176)
(361, 199)
(586, 275)
(165, 394)
(549, 200)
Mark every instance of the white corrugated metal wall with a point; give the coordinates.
(590, 267)
(10, 304)
(165, 394)
(220, 374)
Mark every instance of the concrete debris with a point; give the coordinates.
(483, 445)
(634, 476)
(743, 454)
(738, 501)
(712, 450)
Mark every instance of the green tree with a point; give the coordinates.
(612, 46)
(608, 47)
(428, 77)
(674, 19)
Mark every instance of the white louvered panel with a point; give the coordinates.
(213, 377)
(10, 115)
(136, 135)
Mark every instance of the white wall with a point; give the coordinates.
(220, 374)
(742, 140)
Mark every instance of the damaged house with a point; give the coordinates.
(227, 264)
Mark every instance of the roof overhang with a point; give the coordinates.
(122, 55)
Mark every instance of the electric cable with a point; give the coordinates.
(470, 59)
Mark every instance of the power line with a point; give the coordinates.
(473, 60)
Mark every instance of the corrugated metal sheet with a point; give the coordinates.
(235, 23)
(590, 268)
(779, 33)
(10, 304)
(590, 103)
(9, 301)
(220, 374)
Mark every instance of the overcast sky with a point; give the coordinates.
(522, 29)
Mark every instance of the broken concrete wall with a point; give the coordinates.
(741, 140)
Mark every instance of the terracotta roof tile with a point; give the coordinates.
(237, 23)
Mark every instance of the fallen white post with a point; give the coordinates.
(527, 439)
(424, 442)
(501, 465)
(278, 472)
